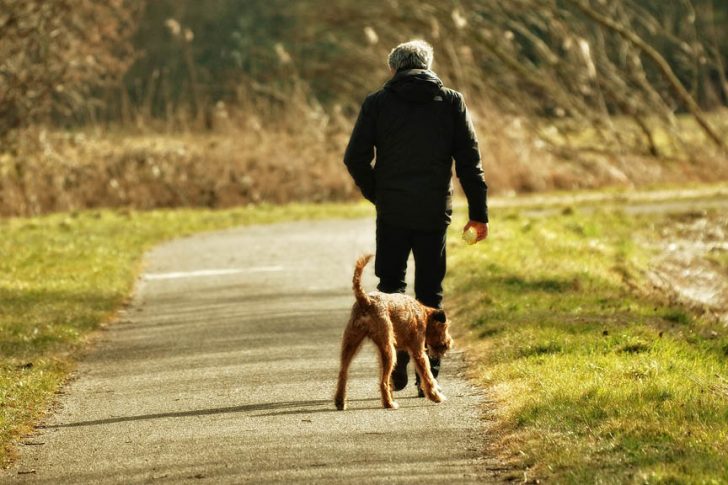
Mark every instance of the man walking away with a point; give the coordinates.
(417, 126)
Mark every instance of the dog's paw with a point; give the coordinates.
(340, 405)
(438, 397)
(393, 405)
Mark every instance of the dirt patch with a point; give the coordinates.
(693, 262)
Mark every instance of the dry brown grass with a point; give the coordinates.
(522, 155)
(242, 160)
(56, 171)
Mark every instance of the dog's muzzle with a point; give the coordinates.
(437, 350)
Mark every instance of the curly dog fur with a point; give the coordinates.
(393, 322)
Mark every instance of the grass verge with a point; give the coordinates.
(63, 275)
(595, 378)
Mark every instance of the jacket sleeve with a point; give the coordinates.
(468, 166)
(360, 151)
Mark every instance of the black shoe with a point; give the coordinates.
(399, 374)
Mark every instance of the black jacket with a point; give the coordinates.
(417, 127)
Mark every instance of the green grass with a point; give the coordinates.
(720, 260)
(595, 379)
(63, 275)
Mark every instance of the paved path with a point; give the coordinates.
(223, 369)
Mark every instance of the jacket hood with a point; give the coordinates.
(415, 85)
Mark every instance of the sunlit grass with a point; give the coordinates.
(720, 260)
(595, 378)
(62, 275)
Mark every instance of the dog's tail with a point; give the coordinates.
(361, 297)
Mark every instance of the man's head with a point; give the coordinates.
(415, 54)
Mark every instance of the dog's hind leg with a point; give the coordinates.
(388, 355)
(353, 338)
(427, 381)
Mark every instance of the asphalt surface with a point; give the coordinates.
(222, 370)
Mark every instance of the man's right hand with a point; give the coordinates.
(480, 227)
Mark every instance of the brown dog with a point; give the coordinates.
(393, 321)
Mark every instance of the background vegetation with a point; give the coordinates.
(184, 103)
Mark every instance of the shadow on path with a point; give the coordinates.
(232, 409)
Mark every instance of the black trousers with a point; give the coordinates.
(428, 247)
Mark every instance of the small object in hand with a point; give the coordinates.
(470, 236)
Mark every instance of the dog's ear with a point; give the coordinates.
(439, 316)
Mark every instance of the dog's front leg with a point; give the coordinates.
(427, 381)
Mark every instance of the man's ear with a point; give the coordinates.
(439, 316)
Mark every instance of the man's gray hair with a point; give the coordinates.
(415, 54)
